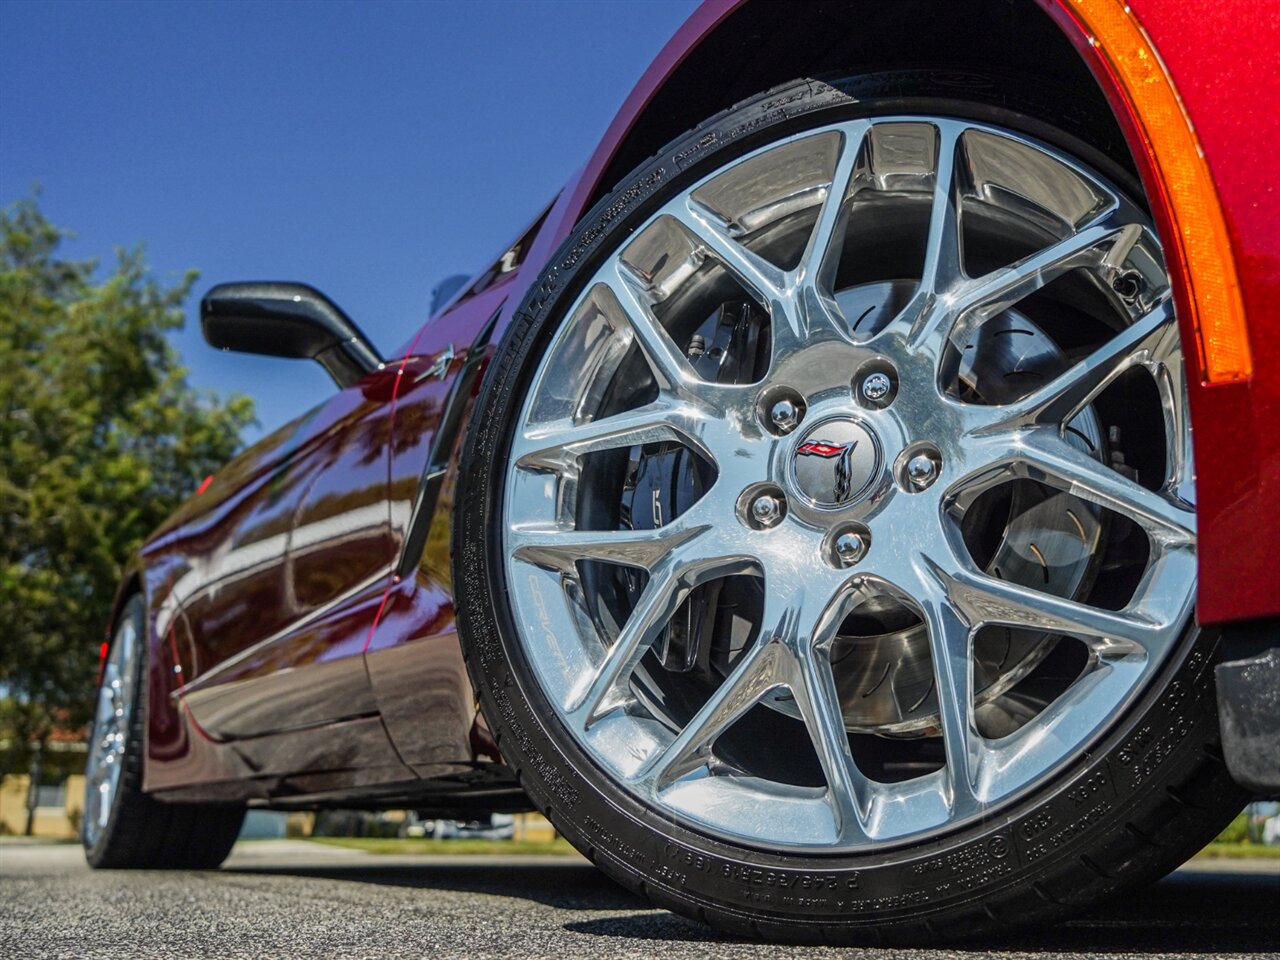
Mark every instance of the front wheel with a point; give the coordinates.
(123, 826)
(825, 545)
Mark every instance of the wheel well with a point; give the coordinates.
(763, 44)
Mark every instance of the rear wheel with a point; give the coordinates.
(123, 826)
(826, 541)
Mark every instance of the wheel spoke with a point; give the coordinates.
(972, 301)
(106, 709)
(107, 740)
(770, 285)
(951, 646)
(792, 652)
(997, 291)
(1170, 522)
(1171, 381)
(762, 669)
(670, 366)
(987, 600)
(811, 312)
(668, 587)
(559, 548)
(1062, 398)
(98, 773)
(556, 446)
(942, 264)
(813, 687)
(754, 272)
(822, 251)
(103, 797)
(943, 271)
(653, 611)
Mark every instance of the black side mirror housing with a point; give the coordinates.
(288, 320)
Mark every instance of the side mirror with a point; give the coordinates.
(287, 320)
(445, 290)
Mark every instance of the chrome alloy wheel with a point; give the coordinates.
(117, 696)
(854, 494)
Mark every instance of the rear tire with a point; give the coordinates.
(133, 830)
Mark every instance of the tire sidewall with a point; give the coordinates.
(1077, 810)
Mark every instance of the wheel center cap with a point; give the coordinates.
(834, 462)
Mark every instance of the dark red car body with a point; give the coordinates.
(303, 646)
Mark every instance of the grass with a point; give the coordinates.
(1222, 849)
(412, 846)
(1233, 843)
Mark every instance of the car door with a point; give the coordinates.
(278, 627)
(413, 657)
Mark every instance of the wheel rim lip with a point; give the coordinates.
(1122, 676)
(108, 738)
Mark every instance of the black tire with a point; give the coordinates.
(144, 833)
(1149, 794)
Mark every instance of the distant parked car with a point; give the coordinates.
(497, 826)
(1264, 822)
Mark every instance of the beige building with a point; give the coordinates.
(59, 797)
(59, 807)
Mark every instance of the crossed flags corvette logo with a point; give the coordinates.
(831, 451)
(824, 448)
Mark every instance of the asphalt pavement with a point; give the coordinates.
(299, 899)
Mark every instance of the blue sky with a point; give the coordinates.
(367, 148)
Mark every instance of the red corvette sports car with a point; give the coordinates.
(847, 512)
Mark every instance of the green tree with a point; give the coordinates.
(101, 436)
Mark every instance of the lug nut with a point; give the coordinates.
(876, 386)
(785, 415)
(766, 510)
(922, 470)
(1128, 285)
(850, 547)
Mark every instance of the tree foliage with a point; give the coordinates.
(101, 436)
